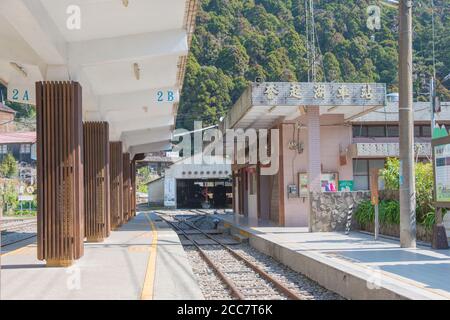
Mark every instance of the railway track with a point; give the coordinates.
(18, 226)
(14, 230)
(244, 279)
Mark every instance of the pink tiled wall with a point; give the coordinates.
(332, 134)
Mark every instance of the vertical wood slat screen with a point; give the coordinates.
(59, 172)
(96, 181)
(126, 186)
(133, 188)
(116, 183)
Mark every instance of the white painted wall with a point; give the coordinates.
(156, 192)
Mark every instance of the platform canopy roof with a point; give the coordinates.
(262, 105)
(128, 55)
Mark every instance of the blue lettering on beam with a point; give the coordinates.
(168, 96)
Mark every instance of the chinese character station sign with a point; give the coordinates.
(319, 94)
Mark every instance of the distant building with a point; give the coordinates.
(22, 145)
(7, 116)
(158, 162)
(329, 138)
(375, 137)
(192, 186)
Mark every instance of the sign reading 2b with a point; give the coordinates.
(21, 94)
(168, 96)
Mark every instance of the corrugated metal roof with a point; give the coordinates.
(17, 137)
(4, 108)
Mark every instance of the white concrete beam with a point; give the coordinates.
(150, 99)
(143, 123)
(128, 48)
(146, 136)
(32, 22)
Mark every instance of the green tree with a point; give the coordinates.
(391, 174)
(236, 41)
(8, 167)
(9, 196)
(233, 59)
(331, 67)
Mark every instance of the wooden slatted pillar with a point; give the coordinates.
(126, 186)
(96, 181)
(59, 173)
(133, 188)
(116, 184)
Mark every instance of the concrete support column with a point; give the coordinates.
(133, 188)
(314, 161)
(116, 184)
(96, 181)
(126, 187)
(281, 185)
(60, 229)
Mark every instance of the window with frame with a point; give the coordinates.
(25, 148)
(376, 131)
(393, 131)
(422, 131)
(359, 131)
(4, 149)
(361, 172)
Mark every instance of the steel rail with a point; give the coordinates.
(17, 241)
(281, 287)
(234, 290)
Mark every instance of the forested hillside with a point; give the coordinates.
(238, 40)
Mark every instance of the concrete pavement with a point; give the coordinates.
(354, 266)
(135, 262)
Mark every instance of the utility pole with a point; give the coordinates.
(406, 125)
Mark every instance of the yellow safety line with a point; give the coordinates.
(147, 288)
(15, 251)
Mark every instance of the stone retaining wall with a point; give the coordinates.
(329, 209)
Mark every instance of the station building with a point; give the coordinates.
(188, 185)
(7, 116)
(335, 135)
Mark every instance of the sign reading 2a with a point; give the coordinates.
(166, 96)
(18, 96)
(21, 94)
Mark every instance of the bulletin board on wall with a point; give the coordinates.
(329, 182)
(441, 167)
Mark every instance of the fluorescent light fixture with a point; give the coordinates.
(137, 71)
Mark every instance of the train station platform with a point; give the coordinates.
(144, 259)
(355, 265)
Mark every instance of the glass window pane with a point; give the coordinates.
(359, 131)
(416, 131)
(361, 182)
(426, 131)
(376, 131)
(360, 167)
(392, 131)
(378, 163)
